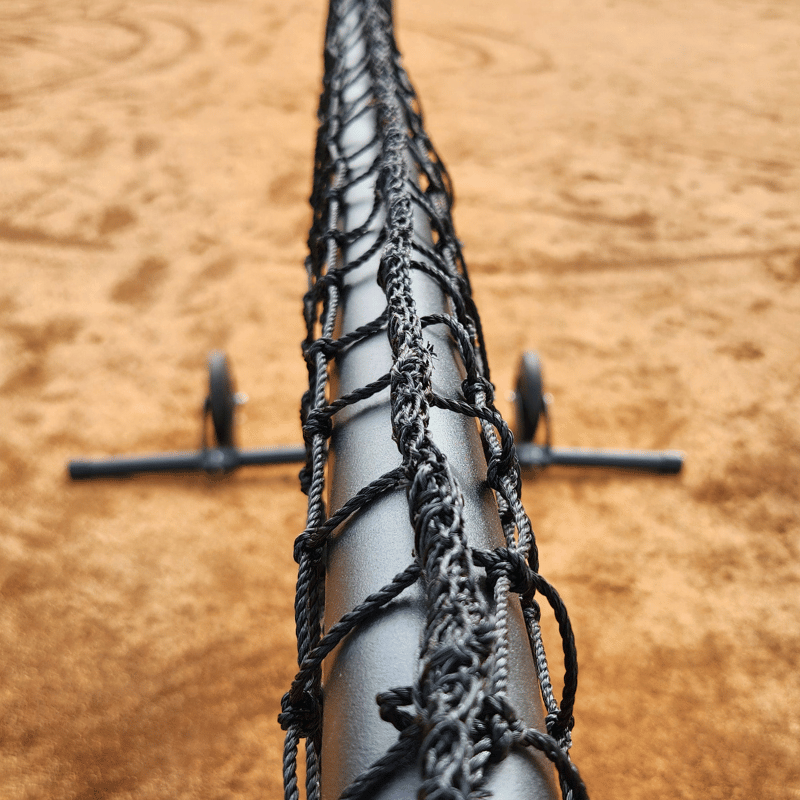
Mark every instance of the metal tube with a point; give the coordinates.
(131, 465)
(378, 543)
(212, 460)
(666, 462)
(290, 454)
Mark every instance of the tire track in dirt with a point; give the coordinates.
(42, 52)
(488, 50)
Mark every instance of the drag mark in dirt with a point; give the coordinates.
(115, 218)
(782, 269)
(482, 48)
(590, 264)
(21, 234)
(143, 748)
(704, 751)
(770, 477)
(42, 51)
(140, 287)
(34, 343)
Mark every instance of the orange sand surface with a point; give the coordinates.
(629, 198)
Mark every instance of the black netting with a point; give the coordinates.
(456, 718)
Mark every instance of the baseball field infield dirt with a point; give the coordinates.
(628, 195)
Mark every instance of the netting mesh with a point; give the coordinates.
(456, 718)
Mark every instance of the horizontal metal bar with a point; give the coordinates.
(129, 465)
(226, 459)
(214, 460)
(663, 462)
(291, 454)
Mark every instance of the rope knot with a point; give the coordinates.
(509, 563)
(471, 386)
(389, 703)
(560, 730)
(305, 715)
(505, 463)
(305, 476)
(327, 347)
(307, 542)
(500, 729)
(318, 420)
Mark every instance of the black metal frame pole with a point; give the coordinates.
(226, 459)
(662, 462)
(212, 460)
(378, 543)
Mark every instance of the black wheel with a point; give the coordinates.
(220, 402)
(529, 396)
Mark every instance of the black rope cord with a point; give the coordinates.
(456, 719)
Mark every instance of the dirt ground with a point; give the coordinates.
(629, 198)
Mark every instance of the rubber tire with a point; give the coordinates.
(221, 402)
(529, 398)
